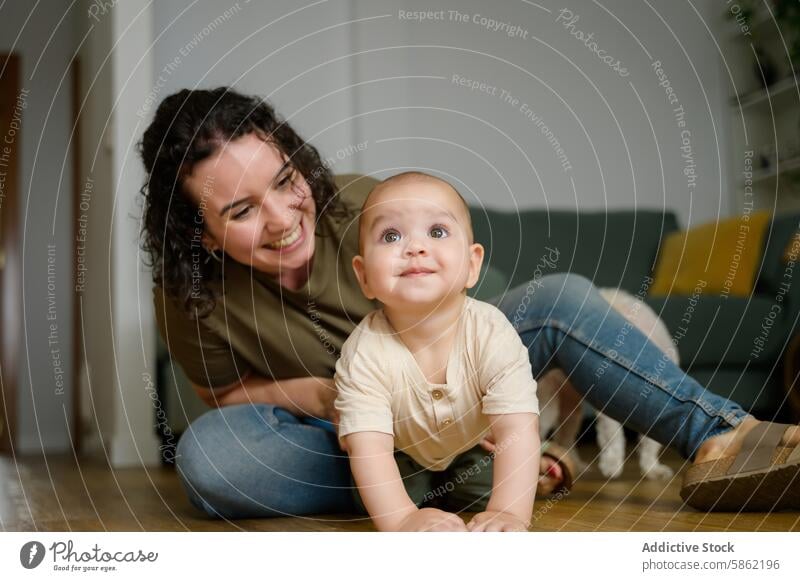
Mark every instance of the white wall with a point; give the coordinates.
(272, 49)
(401, 89)
(118, 364)
(98, 377)
(486, 142)
(44, 39)
(132, 317)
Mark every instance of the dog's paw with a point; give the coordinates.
(657, 471)
(610, 464)
(611, 438)
(652, 469)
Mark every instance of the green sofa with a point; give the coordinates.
(619, 249)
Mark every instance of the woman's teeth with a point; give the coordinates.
(290, 239)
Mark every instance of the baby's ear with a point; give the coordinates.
(361, 275)
(475, 263)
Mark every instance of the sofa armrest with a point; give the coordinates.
(791, 376)
(492, 283)
(779, 276)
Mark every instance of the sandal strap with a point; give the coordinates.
(758, 447)
(794, 456)
(562, 456)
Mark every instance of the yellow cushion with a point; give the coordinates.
(792, 249)
(716, 258)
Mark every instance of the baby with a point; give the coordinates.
(433, 371)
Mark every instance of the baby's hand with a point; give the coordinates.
(432, 519)
(494, 521)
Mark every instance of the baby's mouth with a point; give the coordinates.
(416, 272)
(290, 239)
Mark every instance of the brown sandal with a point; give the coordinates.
(764, 476)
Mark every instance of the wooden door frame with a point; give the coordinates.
(11, 274)
(77, 186)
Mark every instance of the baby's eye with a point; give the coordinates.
(438, 232)
(390, 236)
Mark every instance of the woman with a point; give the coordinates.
(251, 241)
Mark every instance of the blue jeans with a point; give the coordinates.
(259, 460)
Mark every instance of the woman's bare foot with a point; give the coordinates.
(729, 443)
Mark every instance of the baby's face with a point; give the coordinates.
(416, 245)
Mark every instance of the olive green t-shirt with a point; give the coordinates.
(257, 325)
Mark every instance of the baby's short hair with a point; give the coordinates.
(410, 177)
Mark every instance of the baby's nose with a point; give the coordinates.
(415, 247)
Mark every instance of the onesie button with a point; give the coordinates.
(447, 422)
(437, 394)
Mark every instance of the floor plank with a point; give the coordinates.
(61, 494)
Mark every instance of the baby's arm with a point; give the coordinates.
(381, 488)
(515, 473)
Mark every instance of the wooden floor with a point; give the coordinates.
(60, 495)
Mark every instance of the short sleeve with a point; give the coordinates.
(363, 397)
(353, 190)
(205, 357)
(506, 375)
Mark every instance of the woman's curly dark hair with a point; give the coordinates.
(188, 127)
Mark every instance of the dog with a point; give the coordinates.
(562, 409)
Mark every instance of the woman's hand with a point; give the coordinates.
(305, 396)
(488, 442)
(302, 396)
(316, 398)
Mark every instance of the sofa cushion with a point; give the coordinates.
(715, 331)
(725, 254)
(611, 248)
(778, 243)
(780, 273)
(491, 283)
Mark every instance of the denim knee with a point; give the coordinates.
(558, 296)
(563, 286)
(257, 460)
(212, 453)
(194, 458)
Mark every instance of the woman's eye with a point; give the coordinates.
(286, 180)
(242, 214)
(391, 236)
(438, 232)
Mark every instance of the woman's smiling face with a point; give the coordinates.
(256, 207)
